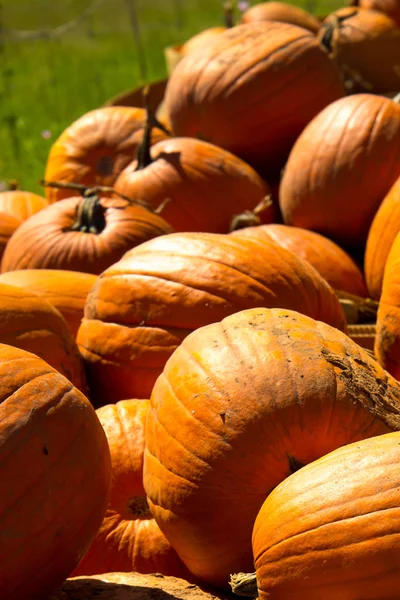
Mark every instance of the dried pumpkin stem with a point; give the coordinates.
(90, 215)
(251, 218)
(329, 29)
(143, 155)
(228, 14)
(244, 584)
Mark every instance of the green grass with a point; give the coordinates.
(45, 84)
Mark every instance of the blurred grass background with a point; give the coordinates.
(61, 59)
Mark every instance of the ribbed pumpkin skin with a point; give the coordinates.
(96, 148)
(8, 224)
(55, 468)
(206, 185)
(129, 539)
(141, 308)
(387, 340)
(239, 405)
(341, 168)
(29, 322)
(383, 231)
(367, 42)
(65, 290)
(279, 11)
(333, 263)
(389, 7)
(45, 241)
(21, 205)
(253, 90)
(201, 40)
(332, 529)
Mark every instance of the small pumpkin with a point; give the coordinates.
(141, 308)
(8, 225)
(242, 404)
(280, 11)
(129, 539)
(65, 290)
(333, 263)
(94, 149)
(331, 530)
(55, 469)
(341, 168)
(253, 90)
(365, 44)
(82, 233)
(20, 204)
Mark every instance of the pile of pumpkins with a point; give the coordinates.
(180, 390)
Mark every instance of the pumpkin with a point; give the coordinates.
(29, 322)
(55, 470)
(21, 205)
(65, 290)
(205, 185)
(240, 405)
(141, 308)
(129, 539)
(387, 339)
(253, 90)
(389, 7)
(201, 40)
(279, 11)
(333, 263)
(331, 530)
(86, 234)
(8, 225)
(365, 44)
(341, 168)
(383, 231)
(96, 148)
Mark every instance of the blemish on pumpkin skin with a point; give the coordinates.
(45, 451)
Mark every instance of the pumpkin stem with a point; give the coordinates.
(366, 308)
(143, 154)
(228, 14)
(12, 185)
(90, 215)
(162, 205)
(397, 98)
(139, 507)
(244, 584)
(251, 218)
(329, 29)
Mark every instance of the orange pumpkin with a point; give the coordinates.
(20, 204)
(331, 530)
(333, 263)
(141, 308)
(81, 234)
(383, 231)
(341, 168)
(96, 148)
(55, 471)
(8, 225)
(280, 11)
(389, 7)
(240, 405)
(201, 40)
(129, 539)
(253, 90)
(365, 44)
(65, 290)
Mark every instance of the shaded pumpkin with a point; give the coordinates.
(8, 225)
(56, 468)
(85, 234)
(280, 11)
(205, 184)
(341, 168)
(129, 539)
(253, 90)
(387, 339)
(65, 290)
(389, 7)
(20, 204)
(338, 533)
(365, 44)
(95, 149)
(141, 308)
(241, 405)
(333, 263)
(383, 231)
(29, 322)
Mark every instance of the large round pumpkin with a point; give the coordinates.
(141, 308)
(206, 186)
(129, 539)
(253, 90)
(96, 148)
(332, 530)
(383, 231)
(29, 322)
(65, 290)
(333, 263)
(365, 44)
(341, 168)
(80, 234)
(241, 405)
(55, 471)
(280, 11)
